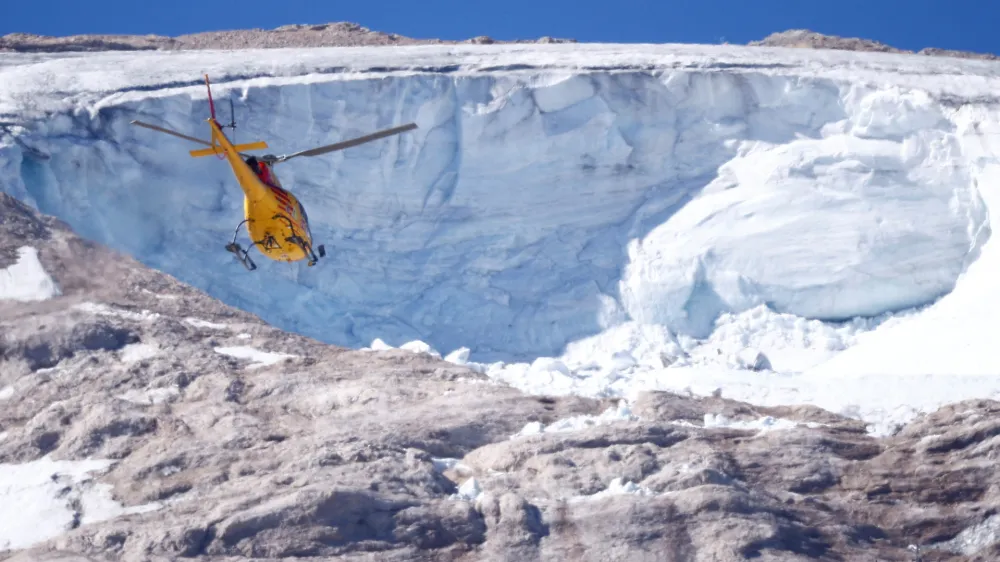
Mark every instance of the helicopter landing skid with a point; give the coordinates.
(241, 255)
(298, 241)
(239, 252)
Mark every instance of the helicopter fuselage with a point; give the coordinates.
(277, 222)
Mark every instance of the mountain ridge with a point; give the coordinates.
(350, 34)
(335, 34)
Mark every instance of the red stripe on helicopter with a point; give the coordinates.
(281, 196)
(286, 205)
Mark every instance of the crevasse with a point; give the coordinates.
(533, 209)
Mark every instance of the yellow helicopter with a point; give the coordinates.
(276, 221)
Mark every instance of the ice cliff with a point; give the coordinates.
(549, 193)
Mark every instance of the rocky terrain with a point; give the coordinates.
(226, 439)
(803, 38)
(337, 34)
(348, 34)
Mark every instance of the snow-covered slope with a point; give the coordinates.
(26, 280)
(551, 192)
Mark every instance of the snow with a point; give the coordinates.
(780, 226)
(259, 358)
(106, 310)
(150, 396)
(762, 425)
(447, 463)
(379, 345)
(617, 487)
(26, 280)
(138, 351)
(114, 78)
(36, 500)
(6, 392)
(952, 337)
(419, 347)
(470, 490)
(820, 228)
(620, 413)
(459, 357)
(885, 402)
(623, 413)
(974, 539)
(199, 323)
(791, 343)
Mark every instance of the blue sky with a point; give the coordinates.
(908, 24)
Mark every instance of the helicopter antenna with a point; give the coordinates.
(232, 118)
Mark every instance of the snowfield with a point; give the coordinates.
(776, 225)
(42, 499)
(257, 357)
(27, 279)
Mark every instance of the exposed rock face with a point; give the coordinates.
(803, 38)
(328, 453)
(338, 34)
(935, 52)
(826, 492)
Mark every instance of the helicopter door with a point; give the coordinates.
(305, 218)
(267, 176)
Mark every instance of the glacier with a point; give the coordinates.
(551, 194)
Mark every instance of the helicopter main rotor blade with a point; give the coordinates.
(349, 143)
(176, 134)
(169, 132)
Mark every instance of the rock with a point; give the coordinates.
(549, 40)
(481, 40)
(335, 34)
(64, 336)
(935, 52)
(803, 38)
(811, 39)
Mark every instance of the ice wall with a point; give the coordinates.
(531, 209)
